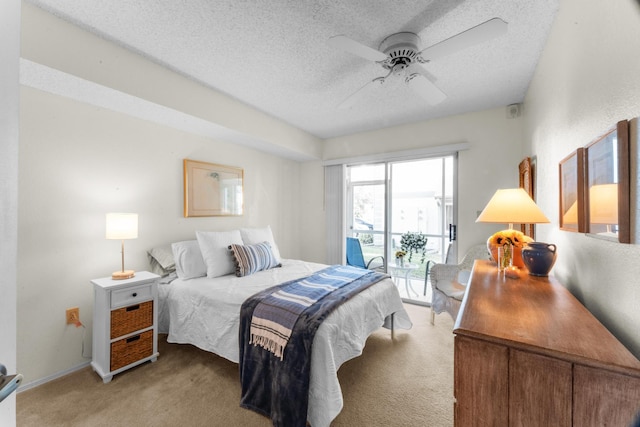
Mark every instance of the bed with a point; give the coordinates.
(205, 312)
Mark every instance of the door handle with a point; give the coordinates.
(453, 232)
(8, 383)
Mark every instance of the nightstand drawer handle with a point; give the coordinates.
(135, 294)
(132, 339)
(133, 307)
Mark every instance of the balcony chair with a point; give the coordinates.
(356, 259)
(449, 281)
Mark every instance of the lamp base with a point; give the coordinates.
(121, 275)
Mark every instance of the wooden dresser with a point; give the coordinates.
(527, 353)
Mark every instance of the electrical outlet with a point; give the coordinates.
(73, 315)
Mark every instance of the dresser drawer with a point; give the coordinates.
(129, 319)
(133, 295)
(130, 350)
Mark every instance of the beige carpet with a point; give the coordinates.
(405, 382)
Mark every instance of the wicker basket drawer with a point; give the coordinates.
(129, 319)
(132, 349)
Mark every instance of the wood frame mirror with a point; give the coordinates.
(526, 174)
(607, 185)
(571, 203)
(212, 190)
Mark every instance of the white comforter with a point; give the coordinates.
(206, 313)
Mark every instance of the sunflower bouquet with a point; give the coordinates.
(400, 254)
(512, 241)
(509, 237)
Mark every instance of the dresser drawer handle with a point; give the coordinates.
(133, 307)
(132, 339)
(135, 294)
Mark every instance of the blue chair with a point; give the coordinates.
(356, 259)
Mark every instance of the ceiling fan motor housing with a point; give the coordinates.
(401, 50)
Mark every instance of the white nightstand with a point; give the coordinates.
(125, 319)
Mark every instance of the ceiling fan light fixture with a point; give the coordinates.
(400, 54)
(400, 48)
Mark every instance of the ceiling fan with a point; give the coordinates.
(401, 56)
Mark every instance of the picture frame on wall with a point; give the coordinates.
(212, 190)
(526, 178)
(571, 173)
(607, 208)
(634, 179)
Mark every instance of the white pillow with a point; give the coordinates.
(215, 251)
(188, 259)
(253, 236)
(161, 260)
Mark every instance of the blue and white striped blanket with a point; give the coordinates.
(275, 369)
(276, 315)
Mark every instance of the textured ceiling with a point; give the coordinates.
(274, 55)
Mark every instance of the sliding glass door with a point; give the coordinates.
(366, 194)
(410, 206)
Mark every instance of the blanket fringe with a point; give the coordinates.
(277, 348)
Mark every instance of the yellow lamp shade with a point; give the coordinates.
(603, 204)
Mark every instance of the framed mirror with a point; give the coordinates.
(607, 185)
(634, 179)
(571, 203)
(526, 181)
(212, 190)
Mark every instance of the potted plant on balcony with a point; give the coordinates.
(414, 242)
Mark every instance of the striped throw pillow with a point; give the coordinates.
(250, 259)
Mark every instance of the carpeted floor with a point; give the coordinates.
(404, 382)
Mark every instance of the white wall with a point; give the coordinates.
(491, 162)
(312, 221)
(55, 43)
(9, 96)
(588, 79)
(79, 161)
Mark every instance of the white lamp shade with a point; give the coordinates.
(122, 226)
(512, 206)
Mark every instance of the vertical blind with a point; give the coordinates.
(334, 200)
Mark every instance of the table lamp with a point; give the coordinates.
(121, 226)
(512, 206)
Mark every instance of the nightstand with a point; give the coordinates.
(125, 319)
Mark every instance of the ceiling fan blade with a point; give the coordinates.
(420, 69)
(479, 34)
(425, 88)
(361, 93)
(348, 45)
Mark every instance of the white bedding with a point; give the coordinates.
(206, 313)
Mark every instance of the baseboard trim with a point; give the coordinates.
(36, 383)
